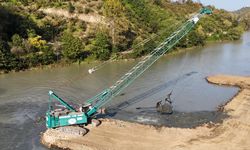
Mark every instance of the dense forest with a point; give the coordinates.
(31, 37)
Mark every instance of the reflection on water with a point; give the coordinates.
(23, 96)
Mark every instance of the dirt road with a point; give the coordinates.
(90, 18)
(233, 133)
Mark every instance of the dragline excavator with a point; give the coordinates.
(84, 115)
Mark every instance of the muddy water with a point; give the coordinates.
(23, 96)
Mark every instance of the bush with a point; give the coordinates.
(47, 57)
(142, 49)
(87, 10)
(8, 61)
(101, 46)
(71, 8)
(72, 47)
(17, 40)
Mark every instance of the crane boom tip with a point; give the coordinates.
(51, 92)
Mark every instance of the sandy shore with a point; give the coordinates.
(233, 133)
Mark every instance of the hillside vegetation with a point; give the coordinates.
(243, 15)
(30, 36)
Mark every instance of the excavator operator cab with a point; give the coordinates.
(85, 107)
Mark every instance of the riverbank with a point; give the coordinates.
(232, 133)
(90, 60)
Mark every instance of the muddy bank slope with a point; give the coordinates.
(233, 133)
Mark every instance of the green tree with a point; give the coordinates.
(17, 45)
(2, 55)
(157, 2)
(8, 61)
(72, 47)
(119, 24)
(101, 46)
(140, 48)
(235, 33)
(113, 8)
(17, 40)
(48, 57)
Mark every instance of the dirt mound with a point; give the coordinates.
(233, 133)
